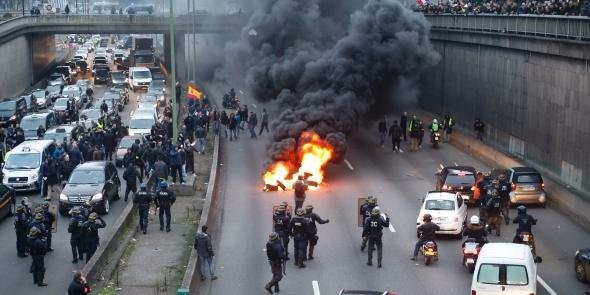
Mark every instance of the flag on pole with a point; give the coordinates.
(193, 92)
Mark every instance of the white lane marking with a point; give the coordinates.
(316, 287)
(254, 105)
(348, 164)
(401, 151)
(546, 286)
(391, 228)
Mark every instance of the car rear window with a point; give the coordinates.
(502, 274)
(489, 274)
(516, 275)
(528, 178)
(439, 205)
(460, 179)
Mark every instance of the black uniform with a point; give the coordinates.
(525, 223)
(281, 223)
(504, 193)
(21, 227)
(76, 237)
(131, 176)
(427, 234)
(143, 200)
(300, 230)
(313, 235)
(365, 212)
(276, 254)
(91, 238)
(477, 232)
(164, 199)
(38, 247)
(48, 221)
(373, 232)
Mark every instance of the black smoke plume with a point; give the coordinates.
(324, 72)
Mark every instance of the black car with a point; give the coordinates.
(457, 179)
(582, 265)
(95, 182)
(12, 110)
(101, 76)
(7, 201)
(118, 78)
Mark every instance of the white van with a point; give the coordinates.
(139, 77)
(23, 164)
(141, 123)
(505, 268)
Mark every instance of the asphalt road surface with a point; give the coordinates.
(14, 271)
(398, 181)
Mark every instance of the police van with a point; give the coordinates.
(22, 165)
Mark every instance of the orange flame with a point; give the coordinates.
(313, 154)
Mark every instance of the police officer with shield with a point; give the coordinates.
(300, 230)
(373, 232)
(365, 211)
(281, 221)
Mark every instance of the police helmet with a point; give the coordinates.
(521, 209)
(308, 208)
(39, 216)
(143, 186)
(76, 210)
(45, 205)
(20, 208)
(93, 216)
(486, 174)
(435, 121)
(427, 217)
(34, 232)
(284, 203)
(474, 220)
(273, 236)
(281, 209)
(300, 212)
(375, 211)
(163, 184)
(372, 201)
(368, 198)
(39, 210)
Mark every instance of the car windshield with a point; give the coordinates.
(39, 94)
(157, 83)
(62, 102)
(118, 75)
(91, 114)
(468, 179)
(53, 89)
(84, 176)
(126, 142)
(23, 161)
(141, 123)
(102, 72)
(32, 123)
(142, 74)
(7, 105)
(528, 178)
(71, 92)
(439, 205)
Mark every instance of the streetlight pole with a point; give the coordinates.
(194, 21)
(173, 74)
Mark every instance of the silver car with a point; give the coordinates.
(527, 186)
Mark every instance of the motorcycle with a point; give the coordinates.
(471, 250)
(528, 239)
(430, 252)
(435, 139)
(494, 222)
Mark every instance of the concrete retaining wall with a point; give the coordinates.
(17, 66)
(534, 104)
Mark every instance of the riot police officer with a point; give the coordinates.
(38, 221)
(365, 211)
(37, 247)
(276, 254)
(300, 230)
(21, 227)
(281, 221)
(313, 237)
(48, 221)
(373, 232)
(90, 230)
(164, 200)
(143, 199)
(75, 230)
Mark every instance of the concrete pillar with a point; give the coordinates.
(180, 54)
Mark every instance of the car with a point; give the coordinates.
(582, 265)
(84, 84)
(21, 169)
(12, 110)
(30, 123)
(527, 186)
(101, 51)
(88, 116)
(56, 79)
(118, 78)
(61, 104)
(101, 76)
(139, 78)
(148, 99)
(459, 179)
(114, 97)
(118, 56)
(75, 92)
(67, 72)
(81, 66)
(146, 109)
(58, 133)
(364, 292)
(81, 54)
(141, 124)
(7, 201)
(27, 98)
(53, 92)
(96, 182)
(100, 60)
(122, 91)
(125, 143)
(42, 98)
(95, 67)
(447, 209)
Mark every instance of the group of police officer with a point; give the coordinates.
(34, 232)
(163, 198)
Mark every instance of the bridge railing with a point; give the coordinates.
(562, 27)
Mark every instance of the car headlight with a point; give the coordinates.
(97, 197)
(63, 197)
(34, 176)
(13, 117)
(577, 252)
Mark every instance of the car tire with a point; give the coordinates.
(106, 207)
(12, 209)
(580, 271)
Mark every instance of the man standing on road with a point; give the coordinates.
(365, 212)
(110, 143)
(160, 171)
(300, 230)
(75, 229)
(373, 232)
(252, 122)
(299, 188)
(131, 176)
(37, 247)
(21, 227)
(205, 252)
(165, 198)
(201, 135)
(142, 199)
(276, 258)
(396, 136)
(49, 217)
(313, 236)
(264, 122)
(90, 230)
(50, 172)
(281, 221)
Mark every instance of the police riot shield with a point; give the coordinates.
(53, 210)
(359, 203)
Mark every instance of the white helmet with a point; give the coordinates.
(474, 219)
(434, 121)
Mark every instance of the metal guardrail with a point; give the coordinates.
(561, 27)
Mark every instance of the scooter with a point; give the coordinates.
(430, 252)
(435, 139)
(528, 239)
(471, 250)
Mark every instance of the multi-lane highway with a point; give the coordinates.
(398, 181)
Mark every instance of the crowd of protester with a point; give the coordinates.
(508, 7)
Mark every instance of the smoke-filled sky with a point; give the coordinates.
(327, 62)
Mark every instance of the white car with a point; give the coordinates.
(448, 210)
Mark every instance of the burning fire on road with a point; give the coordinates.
(308, 157)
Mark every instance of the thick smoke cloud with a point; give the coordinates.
(325, 65)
